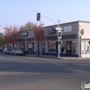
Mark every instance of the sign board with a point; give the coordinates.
(68, 29)
(24, 34)
(51, 31)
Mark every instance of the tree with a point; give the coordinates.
(1, 39)
(11, 34)
(27, 26)
(39, 34)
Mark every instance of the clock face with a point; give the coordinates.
(82, 31)
(89, 42)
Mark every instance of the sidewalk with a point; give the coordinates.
(49, 56)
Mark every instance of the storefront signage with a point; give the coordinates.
(52, 31)
(24, 34)
(68, 29)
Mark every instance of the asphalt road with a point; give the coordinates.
(33, 73)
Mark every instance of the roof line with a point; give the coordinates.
(69, 22)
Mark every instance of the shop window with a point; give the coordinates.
(71, 44)
(21, 40)
(22, 46)
(52, 46)
(43, 46)
(73, 48)
(64, 45)
(85, 47)
(30, 47)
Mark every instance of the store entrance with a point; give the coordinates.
(69, 48)
(31, 48)
(67, 45)
(22, 46)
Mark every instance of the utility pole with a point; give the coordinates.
(59, 47)
(59, 36)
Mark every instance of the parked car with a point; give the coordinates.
(17, 52)
(4, 51)
(20, 52)
(9, 51)
(13, 51)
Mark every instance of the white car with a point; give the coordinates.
(13, 51)
(20, 52)
(5, 50)
(17, 52)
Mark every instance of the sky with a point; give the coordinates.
(19, 12)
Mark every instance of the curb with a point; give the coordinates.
(41, 56)
(64, 58)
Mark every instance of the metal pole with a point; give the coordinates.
(58, 26)
(59, 46)
(89, 48)
(49, 19)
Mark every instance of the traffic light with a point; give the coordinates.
(59, 34)
(38, 16)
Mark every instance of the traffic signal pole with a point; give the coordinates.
(49, 19)
(59, 35)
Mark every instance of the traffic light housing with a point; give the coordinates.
(38, 16)
(59, 34)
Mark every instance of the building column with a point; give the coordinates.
(40, 47)
(18, 44)
(46, 47)
(26, 47)
(35, 46)
(78, 45)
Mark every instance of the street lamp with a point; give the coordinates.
(59, 36)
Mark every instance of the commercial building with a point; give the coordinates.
(75, 34)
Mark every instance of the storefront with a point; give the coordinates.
(73, 42)
(52, 46)
(69, 44)
(22, 46)
(85, 47)
(30, 48)
(43, 47)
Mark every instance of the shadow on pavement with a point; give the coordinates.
(43, 67)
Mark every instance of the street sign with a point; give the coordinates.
(58, 28)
